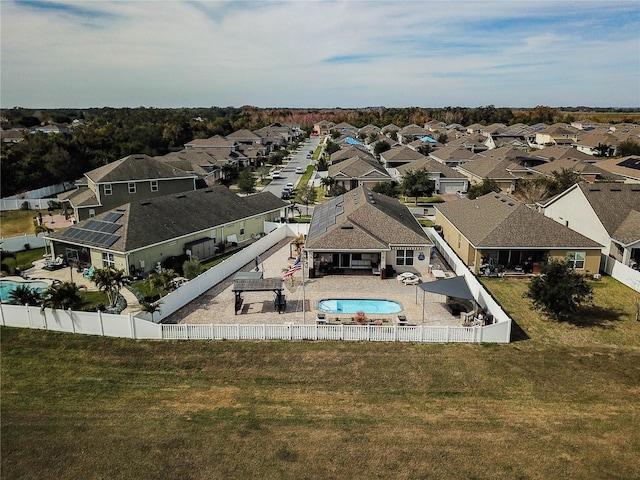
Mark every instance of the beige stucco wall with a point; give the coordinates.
(591, 263)
(458, 243)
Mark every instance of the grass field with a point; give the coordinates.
(20, 222)
(559, 403)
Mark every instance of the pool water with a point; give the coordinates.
(7, 286)
(355, 305)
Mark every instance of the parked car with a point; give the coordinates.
(276, 174)
(289, 186)
(299, 170)
(286, 194)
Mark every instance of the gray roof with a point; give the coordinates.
(432, 166)
(401, 154)
(358, 167)
(164, 218)
(363, 220)
(496, 221)
(617, 206)
(135, 167)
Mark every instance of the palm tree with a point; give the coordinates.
(24, 295)
(110, 280)
(150, 307)
(64, 295)
(162, 280)
(327, 182)
(38, 229)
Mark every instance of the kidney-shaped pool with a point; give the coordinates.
(355, 305)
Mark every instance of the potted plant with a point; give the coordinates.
(361, 318)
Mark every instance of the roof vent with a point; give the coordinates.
(209, 190)
(511, 204)
(594, 189)
(181, 195)
(346, 226)
(616, 189)
(145, 203)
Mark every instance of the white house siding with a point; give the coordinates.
(573, 210)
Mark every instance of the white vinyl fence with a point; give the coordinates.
(17, 244)
(621, 272)
(140, 327)
(37, 199)
(497, 332)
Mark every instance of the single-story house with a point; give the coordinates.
(137, 235)
(499, 231)
(358, 171)
(608, 213)
(447, 180)
(364, 230)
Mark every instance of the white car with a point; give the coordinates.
(289, 186)
(299, 170)
(276, 174)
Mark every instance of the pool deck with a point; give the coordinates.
(217, 305)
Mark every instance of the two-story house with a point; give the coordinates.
(132, 178)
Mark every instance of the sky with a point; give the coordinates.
(317, 54)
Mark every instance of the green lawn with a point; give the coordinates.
(559, 403)
(20, 222)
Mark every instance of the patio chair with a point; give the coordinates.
(88, 272)
(321, 319)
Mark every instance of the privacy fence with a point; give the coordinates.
(140, 326)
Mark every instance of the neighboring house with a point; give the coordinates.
(132, 178)
(398, 156)
(608, 213)
(411, 133)
(557, 134)
(222, 149)
(52, 129)
(198, 162)
(447, 180)
(363, 230)
(12, 135)
(597, 144)
(500, 231)
(556, 152)
(350, 151)
(627, 168)
(589, 172)
(453, 156)
(345, 128)
(357, 171)
(137, 235)
(504, 171)
(323, 127)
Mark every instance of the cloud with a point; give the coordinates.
(347, 53)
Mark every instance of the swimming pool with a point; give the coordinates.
(7, 286)
(355, 305)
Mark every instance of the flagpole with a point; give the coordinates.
(304, 301)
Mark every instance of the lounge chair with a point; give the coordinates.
(88, 272)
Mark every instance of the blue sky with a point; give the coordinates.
(319, 53)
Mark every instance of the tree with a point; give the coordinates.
(380, 147)
(628, 147)
(416, 183)
(110, 280)
(307, 196)
(424, 149)
(559, 290)
(443, 138)
(24, 295)
(564, 179)
(246, 181)
(162, 280)
(327, 182)
(535, 189)
(191, 268)
(331, 147)
(38, 229)
(390, 189)
(64, 295)
(488, 185)
(151, 307)
(262, 172)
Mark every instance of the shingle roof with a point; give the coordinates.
(401, 154)
(358, 167)
(361, 219)
(82, 197)
(164, 218)
(496, 221)
(432, 166)
(616, 205)
(135, 167)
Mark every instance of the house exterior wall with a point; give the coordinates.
(573, 210)
(591, 263)
(419, 267)
(458, 243)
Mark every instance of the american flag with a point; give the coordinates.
(297, 265)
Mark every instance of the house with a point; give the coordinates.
(357, 171)
(446, 180)
(589, 172)
(504, 171)
(627, 168)
(323, 127)
(411, 133)
(137, 235)
(350, 152)
(198, 162)
(608, 213)
(397, 156)
(363, 230)
(453, 156)
(132, 178)
(557, 134)
(499, 231)
(597, 144)
(222, 149)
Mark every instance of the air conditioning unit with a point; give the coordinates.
(597, 276)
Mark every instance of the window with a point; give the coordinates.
(154, 185)
(404, 257)
(108, 260)
(107, 189)
(576, 260)
(241, 228)
(459, 240)
(132, 187)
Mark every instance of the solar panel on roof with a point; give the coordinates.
(112, 217)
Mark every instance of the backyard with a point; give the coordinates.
(561, 402)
